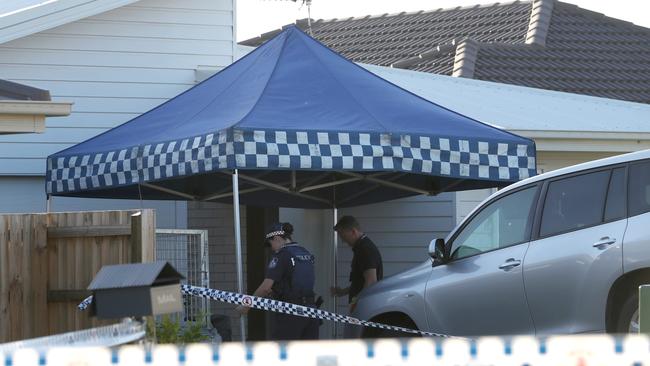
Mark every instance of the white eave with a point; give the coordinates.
(49, 15)
(557, 121)
(45, 108)
(19, 116)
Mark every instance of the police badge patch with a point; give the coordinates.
(274, 262)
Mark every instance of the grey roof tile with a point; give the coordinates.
(14, 91)
(387, 39)
(582, 51)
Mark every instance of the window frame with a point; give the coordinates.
(537, 186)
(627, 186)
(626, 212)
(544, 192)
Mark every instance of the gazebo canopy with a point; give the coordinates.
(304, 127)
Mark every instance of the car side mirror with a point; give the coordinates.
(437, 250)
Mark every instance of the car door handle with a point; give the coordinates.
(510, 264)
(604, 242)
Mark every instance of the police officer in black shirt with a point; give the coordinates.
(367, 266)
(289, 277)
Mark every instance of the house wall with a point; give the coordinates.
(551, 160)
(113, 66)
(218, 219)
(466, 201)
(27, 195)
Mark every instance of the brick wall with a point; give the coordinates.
(217, 218)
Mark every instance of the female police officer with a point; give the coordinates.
(290, 278)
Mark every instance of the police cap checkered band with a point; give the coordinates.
(276, 229)
(274, 233)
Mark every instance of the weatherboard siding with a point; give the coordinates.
(402, 230)
(113, 66)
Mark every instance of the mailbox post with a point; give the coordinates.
(136, 290)
(644, 309)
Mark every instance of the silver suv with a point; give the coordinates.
(561, 252)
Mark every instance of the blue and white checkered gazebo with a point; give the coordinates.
(292, 124)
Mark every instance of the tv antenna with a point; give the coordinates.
(308, 3)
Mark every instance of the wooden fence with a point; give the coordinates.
(48, 260)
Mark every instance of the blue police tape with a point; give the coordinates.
(86, 303)
(282, 307)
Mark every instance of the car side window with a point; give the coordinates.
(573, 203)
(500, 224)
(639, 188)
(615, 205)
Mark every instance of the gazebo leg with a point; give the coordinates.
(336, 245)
(237, 223)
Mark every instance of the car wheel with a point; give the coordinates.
(628, 319)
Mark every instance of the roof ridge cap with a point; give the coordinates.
(539, 22)
(465, 58)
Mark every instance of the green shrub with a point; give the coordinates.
(170, 330)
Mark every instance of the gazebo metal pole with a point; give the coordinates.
(336, 249)
(336, 245)
(240, 275)
(48, 204)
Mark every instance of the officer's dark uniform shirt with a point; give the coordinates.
(366, 256)
(292, 272)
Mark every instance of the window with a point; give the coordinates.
(615, 206)
(500, 224)
(574, 203)
(639, 189)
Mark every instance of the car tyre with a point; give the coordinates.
(628, 318)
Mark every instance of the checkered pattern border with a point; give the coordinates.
(288, 308)
(281, 307)
(244, 149)
(86, 303)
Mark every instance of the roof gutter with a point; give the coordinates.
(45, 108)
(21, 116)
(587, 141)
